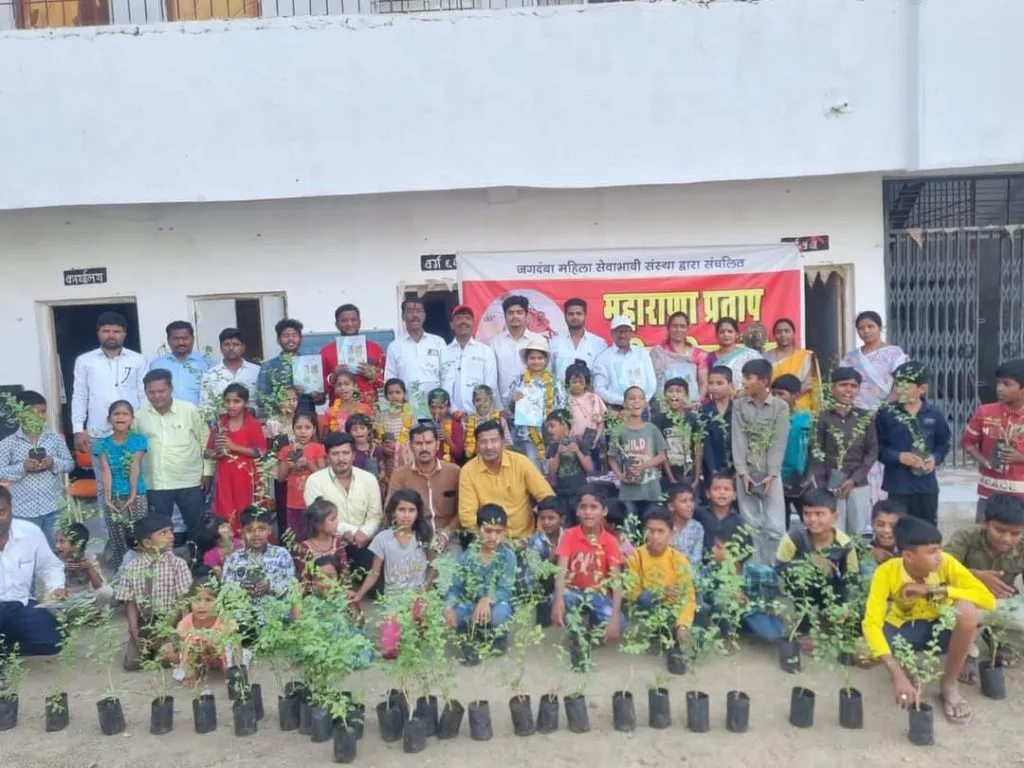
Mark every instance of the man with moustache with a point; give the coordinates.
(185, 364)
(370, 376)
(577, 344)
(466, 362)
(276, 373)
(437, 483)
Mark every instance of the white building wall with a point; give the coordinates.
(557, 97)
(327, 251)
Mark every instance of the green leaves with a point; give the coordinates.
(14, 671)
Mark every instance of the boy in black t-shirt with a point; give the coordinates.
(679, 428)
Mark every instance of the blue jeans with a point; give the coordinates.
(917, 633)
(764, 627)
(500, 614)
(46, 523)
(594, 605)
(32, 629)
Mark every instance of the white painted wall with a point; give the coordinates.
(558, 97)
(327, 251)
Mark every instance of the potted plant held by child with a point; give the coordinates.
(14, 672)
(837, 476)
(103, 650)
(796, 611)
(923, 668)
(759, 434)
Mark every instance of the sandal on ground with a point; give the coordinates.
(957, 712)
(969, 674)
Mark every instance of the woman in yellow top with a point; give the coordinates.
(786, 357)
(910, 598)
(661, 575)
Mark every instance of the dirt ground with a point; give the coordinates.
(992, 739)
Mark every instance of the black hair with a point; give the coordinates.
(328, 560)
(678, 381)
(721, 370)
(868, 315)
(421, 529)
(336, 439)
(231, 333)
(721, 475)
(111, 318)
(484, 390)
(844, 373)
(617, 514)
(158, 374)
(819, 497)
(674, 315)
(205, 582)
(787, 382)
(335, 375)
(395, 383)
(678, 489)
(561, 415)
(911, 372)
(149, 525)
(5, 494)
(240, 390)
(515, 300)
(888, 507)
(575, 302)
(785, 320)
(735, 533)
(284, 325)
(577, 368)
(179, 325)
(552, 504)
(659, 513)
(486, 426)
(411, 300)
(1011, 369)
(77, 534)
(117, 404)
(914, 532)
(312, 419)
(251, 515)
(627, 390)
(345, 308)
(727, 321)
(421, 429)
(491, 514)
(313, 517)
(760, 368)
(29, 398)
(1004, 508)
(441, 394)
(208, 536)
(356, 419)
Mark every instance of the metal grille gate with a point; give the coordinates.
(955, 278)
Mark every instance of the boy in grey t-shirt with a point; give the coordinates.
(637, 455)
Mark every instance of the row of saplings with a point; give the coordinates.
(317, 643)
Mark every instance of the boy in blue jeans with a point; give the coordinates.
(481, 588)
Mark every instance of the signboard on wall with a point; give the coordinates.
(87, 276)
(748, 283)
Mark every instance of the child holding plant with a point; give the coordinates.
(714, 420)
(401, 553)
(481, 590)
(152, 586)
(678, 425)
(235, 445)
(637, 454)
(368, 455)
(451, 435)
(318, 537)
(120, 457)
(345, 402)
(295, 463)
(913, 439)
(585, 405)
(907, 594)
(661, 575)
(568, 460)
(687, 533)
(720, 508)
(393, 422)
(844, 449)
(882, 539)
(202, 638)
(544, 541)
(83, 578)
(589, 563)
(994, 553)
(794, 461)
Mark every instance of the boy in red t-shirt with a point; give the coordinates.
(994, 437)
(589, 557)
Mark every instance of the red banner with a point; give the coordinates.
(749, 283)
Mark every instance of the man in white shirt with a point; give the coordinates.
(510, 342)
(577, 344)
(415, 358)
(24, 556)
(623, 365)
(466, 362)
(232, 368)
(104, 376)
(355, 493)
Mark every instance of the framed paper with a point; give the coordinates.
(351, 352)
(308, 373)
(530, 408)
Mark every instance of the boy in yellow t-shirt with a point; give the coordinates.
(661, 574)
(907, 593)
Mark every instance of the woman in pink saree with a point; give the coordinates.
(875, 361)
(677, 358)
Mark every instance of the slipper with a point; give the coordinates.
(1007, 657)
(969, 674)
(958, 713)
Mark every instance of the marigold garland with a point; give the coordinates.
(537, 434)
(446, 446)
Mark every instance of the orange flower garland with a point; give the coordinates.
(537, 434)
(446, 446)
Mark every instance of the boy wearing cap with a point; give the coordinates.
(153, 584)
(913, 439)
(533, 395)
(623, 365)
(466, 363)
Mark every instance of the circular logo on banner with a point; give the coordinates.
(545, 316)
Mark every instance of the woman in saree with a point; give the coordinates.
(730, 353)
(875, 361)
(786, 357)
(677, 358)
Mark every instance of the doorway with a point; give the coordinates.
(254, 314)
(825, 309)
(74, 332)
(438, 303)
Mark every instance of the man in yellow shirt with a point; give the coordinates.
(498, 476)
(661, 575)
(907, 595)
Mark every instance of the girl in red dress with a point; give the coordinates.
(236, 446)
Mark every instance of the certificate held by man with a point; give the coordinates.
(351, 352)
